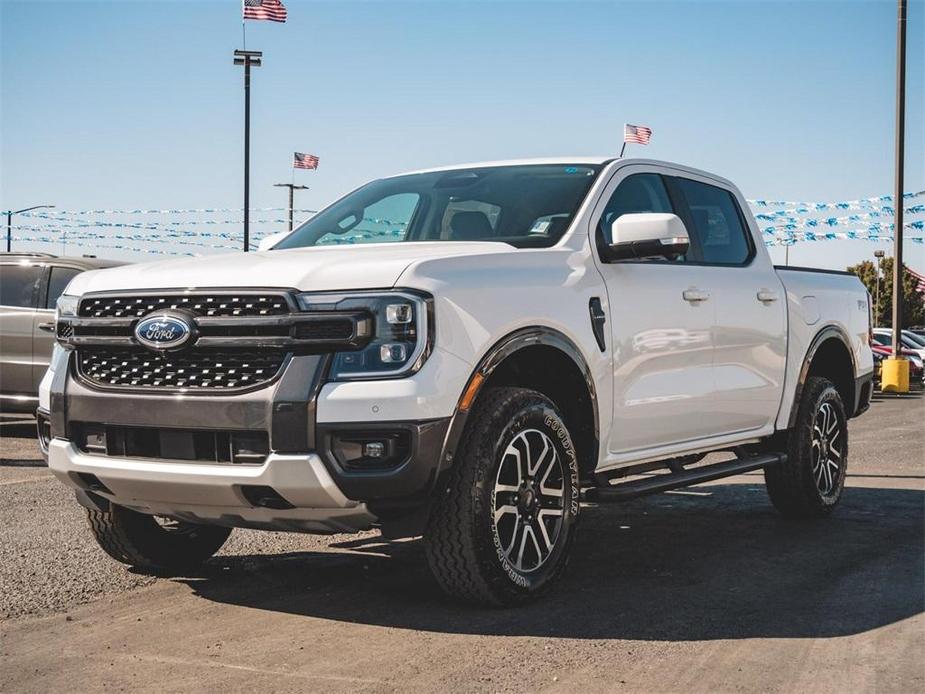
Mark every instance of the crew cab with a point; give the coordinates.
(466, 354)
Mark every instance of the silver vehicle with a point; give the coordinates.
(30, 284)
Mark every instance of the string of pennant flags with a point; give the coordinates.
(781, 222)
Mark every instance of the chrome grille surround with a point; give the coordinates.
(243, 338)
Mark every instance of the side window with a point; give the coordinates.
(57, 282)
(717, 222)
(384, 221)
(17, 285)
(637, 193)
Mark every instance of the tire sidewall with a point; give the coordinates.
(497, 568)
(827, 394)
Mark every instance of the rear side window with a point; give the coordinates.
(60, 276)
(17, 285)
(636, 193)
(717, 222)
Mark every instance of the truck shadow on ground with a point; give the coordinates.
(710, 563)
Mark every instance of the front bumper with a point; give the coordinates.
(302, 466)
(210, 493)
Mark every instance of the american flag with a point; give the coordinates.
(920, 280)
(304, 161)
(637, 134)
(273, 10)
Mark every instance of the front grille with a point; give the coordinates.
(216, 305)
(205, 445)
(199, 370)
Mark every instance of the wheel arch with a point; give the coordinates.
(830, 356)
(565, 378)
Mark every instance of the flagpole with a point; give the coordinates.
(623, 149)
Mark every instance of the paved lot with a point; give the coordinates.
(702, 591)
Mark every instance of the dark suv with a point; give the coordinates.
(30, 284)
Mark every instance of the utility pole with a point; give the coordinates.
(898, 196)
(9, 222)
(247, 59)
(292, 188)
(879, 256)
(895, 370)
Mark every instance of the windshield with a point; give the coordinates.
(527, 206)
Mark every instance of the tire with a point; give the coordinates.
(811, 481)
(500, 531)
(142, 541)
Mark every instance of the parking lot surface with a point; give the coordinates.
(704, 590)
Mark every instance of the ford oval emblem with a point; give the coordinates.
(164, 331)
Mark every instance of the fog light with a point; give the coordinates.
(374, 449)
(393, 353)
(399, 314)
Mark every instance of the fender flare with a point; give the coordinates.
(502, 349)
(827, 333)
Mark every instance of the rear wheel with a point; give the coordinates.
(154, 542)
(811, 481)
(500, 532)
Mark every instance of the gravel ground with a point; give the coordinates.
(703, 590)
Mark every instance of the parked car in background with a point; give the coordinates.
(30, 284)
(911, 341)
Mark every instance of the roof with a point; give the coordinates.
(584, 159)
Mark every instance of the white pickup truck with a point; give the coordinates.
(463, 353)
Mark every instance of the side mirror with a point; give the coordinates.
(267, 242)
(647, 235)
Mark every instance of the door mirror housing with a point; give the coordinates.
(267, 242)
(646, 235)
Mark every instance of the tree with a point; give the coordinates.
(913, 300)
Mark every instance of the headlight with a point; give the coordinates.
(402, 335)
(66, 306)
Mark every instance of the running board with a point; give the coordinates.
(676, 480)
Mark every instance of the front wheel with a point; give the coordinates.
(153, 542)
(810, 482)
(499, 532)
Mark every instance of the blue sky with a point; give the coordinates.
(137, 104)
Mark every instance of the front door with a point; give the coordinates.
(661, 320)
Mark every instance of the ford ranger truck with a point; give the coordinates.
(464, 354)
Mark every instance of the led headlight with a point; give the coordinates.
(402, 334)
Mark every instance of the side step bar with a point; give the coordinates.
(676, 480)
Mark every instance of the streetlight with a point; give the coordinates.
(9, 222)
(879, 256)
(292, 187)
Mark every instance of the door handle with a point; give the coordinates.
(47, 327)
(766, 296)
(694, 295)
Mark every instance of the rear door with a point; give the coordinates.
(750, 328)
(53, 282)
(19, 283)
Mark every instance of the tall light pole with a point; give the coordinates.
(879, 256)
(895, 370)
(292, 188)
(898, 194)
(9, 222)
(247, 59)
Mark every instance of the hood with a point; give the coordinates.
(323, 268)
